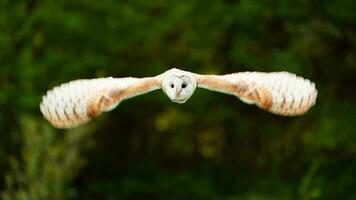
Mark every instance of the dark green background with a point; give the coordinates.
(213, 146)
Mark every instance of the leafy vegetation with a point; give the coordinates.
(213, 146)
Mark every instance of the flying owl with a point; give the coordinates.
(77, 102)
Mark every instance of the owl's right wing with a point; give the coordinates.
(281, 93)
(77, 102)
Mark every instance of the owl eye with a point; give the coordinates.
(184, 85)
(172, 85)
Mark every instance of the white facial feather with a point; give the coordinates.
(178, 85)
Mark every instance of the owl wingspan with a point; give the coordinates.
(281, 93)
(77, 102)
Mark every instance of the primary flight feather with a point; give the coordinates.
(77, 102)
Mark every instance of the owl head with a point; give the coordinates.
(178, 85)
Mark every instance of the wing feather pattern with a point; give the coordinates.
(281, 93)
(77, 102)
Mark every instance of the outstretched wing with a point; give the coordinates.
(77, 102)
(281, 93)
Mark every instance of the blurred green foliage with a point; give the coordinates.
(213, 146)
(48, 163)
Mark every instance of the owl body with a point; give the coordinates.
(77, 102)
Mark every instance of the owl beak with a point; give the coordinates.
(178, 92)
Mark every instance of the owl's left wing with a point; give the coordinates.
(77, 102)
(281, 93)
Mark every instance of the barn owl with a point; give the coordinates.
(77, 102)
